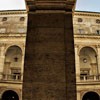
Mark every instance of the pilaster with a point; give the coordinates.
(78, 95)
(22, 67)
(98, 58)
(77, 63)
(2, 58)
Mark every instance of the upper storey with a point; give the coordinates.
(50, 4)
(13, 22)
(86, 23)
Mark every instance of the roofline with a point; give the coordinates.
(87, 11)
(13, 10)
(8, 12)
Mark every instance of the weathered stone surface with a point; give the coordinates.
(49, 61)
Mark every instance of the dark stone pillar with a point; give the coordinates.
(49, 71)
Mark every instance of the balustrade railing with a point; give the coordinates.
(90, 77)
(11, 77)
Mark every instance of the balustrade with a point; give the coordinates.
(89, 77)
(11, 77)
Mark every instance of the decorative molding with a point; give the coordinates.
(12, 87)
(50, 4)
(83, 92)
(81, 46)
(98, 46)
(88, 36)
(92, 14)
(3, 44)
(12, 35)
(76, 45)
(13, 12)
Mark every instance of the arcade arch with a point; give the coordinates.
(91, 96)
(10, 95)
(88, 62)
(13, 63)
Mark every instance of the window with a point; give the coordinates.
(16, 59)
(98, 21)
(84, 73)
(22, 18)
(80, 19)
(16, 74)
(4, 19)
(85, 60)
(98, 31)
(81, 31)
(21, 30)
(2, 30)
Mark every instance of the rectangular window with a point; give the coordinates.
(16, 74)
(98, 31)
(21, 30)
(84, 73)
(2, 30)
(81, 31)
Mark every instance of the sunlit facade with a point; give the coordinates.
(87, 55)
(12, 47)
(13, 27)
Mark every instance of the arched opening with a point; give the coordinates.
(88, 64)
(91, 96)
(10, 95)
(13, 63)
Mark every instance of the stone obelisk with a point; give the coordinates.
(49, 71)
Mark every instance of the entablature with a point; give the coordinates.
(13, 12)
(83, 13)
(50, 4)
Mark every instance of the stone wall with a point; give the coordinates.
(49, 71)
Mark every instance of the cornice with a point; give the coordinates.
(50, 4)
(13, 35)
(13, 12)
(92, 14)
(88, 83)
(88, 36)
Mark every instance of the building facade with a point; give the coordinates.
(87, 55)
(13, 27)
(12, 47)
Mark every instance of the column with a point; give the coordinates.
(77, 63)
(49, 71)
(2, 58)
(98, 59)
(22, 67)
(78, 95)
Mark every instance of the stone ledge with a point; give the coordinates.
(50, 4)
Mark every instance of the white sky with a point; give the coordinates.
(88, 5)
(82, 5)
(12, 4)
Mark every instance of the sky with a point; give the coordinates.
(12, 4)
(81, 5)
(88, 5)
